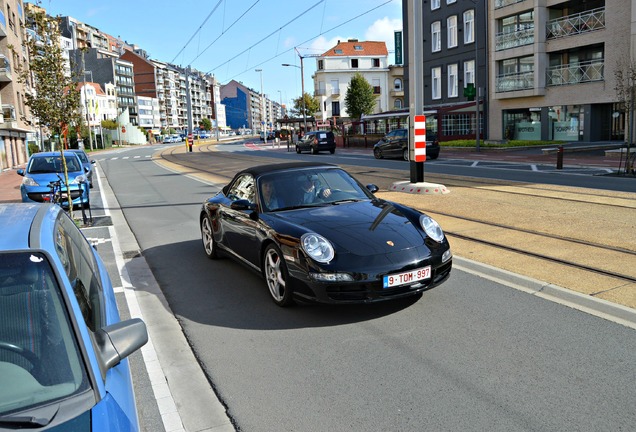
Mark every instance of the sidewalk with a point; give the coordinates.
(10, 186)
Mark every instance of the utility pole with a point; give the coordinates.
(262, 107)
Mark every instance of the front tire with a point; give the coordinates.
(207, 236)
(297, 149)
(314, 150)
(377, 153)
(276, 276)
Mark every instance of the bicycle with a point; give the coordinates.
(55, 192)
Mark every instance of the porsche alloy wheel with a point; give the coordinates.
(275, 272)
(405, 154)
(297, 149)
(377, 153)
(207, 236)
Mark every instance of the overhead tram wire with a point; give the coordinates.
(302, 43)
(224, 31)
(268, 36)
(197, 30)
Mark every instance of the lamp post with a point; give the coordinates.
(302, 87)
(262, 106)
(476, 68)
(88, 121)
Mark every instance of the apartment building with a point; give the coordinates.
(16, 123)
(454, 62)
(554, 65)
(237, 99)
(336, 67)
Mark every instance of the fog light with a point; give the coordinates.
(331, 277)
(446, 256)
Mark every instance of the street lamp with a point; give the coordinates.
(476, 67)
(302, 86)
(262, 106)
(88, 119)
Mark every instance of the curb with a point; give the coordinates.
(585, 303)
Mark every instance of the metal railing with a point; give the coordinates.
(515, 81)
(574, 24)
(587, 71)
(503, 3)
(514, 39)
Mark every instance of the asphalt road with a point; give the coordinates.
(469, 355)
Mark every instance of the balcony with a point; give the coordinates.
(514, 39)
(588, 71)
(583, 22)
(320, 92)
(515, 81)
(5, 69)
(10, 120)
(503, 3)
(335, 91)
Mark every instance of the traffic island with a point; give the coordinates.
(421, 188)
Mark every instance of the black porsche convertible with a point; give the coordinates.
(315, 233)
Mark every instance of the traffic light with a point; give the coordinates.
(470, 92)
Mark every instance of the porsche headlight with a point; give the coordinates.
(317, 247)
(432, 228)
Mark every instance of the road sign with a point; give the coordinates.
(419, 141)
(123, 129)
(470, 91)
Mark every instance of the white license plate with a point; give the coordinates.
(406, 277)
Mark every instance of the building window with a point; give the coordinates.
(469, 72)
(357, 47)
(354, 63)
(335, 108)
(436, 36)
(397, 104)
(436, 82)
(376, 62)
(451, 23)
(434, 4)
(321, 64)
(450, 1)
(469, 26)
(397, 84)
(452, 80)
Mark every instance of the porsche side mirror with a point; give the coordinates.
(372, 188)
(243, 204)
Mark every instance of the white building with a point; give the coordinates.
(148, 109)
(336, 67)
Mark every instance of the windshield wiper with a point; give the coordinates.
(45, 416)
(343, 201)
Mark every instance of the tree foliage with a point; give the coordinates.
(312, 105)
(359, 98)
(205, 124)
(53, 97)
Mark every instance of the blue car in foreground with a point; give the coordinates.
(46, 167)
(63, 347)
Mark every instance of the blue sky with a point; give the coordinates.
(236, 37)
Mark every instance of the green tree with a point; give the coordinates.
(206, 124)
(311, 106)
(51, 94)
(55, 98)
(359, 98)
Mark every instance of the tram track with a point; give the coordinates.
(570, 237)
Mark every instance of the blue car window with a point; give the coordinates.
(39, 356)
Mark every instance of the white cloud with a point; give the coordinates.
(382, 30)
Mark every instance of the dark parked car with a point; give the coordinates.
(343, 245)
(317, 141)
(395, 144)
(63, 346)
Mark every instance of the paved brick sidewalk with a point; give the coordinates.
(10, 186)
